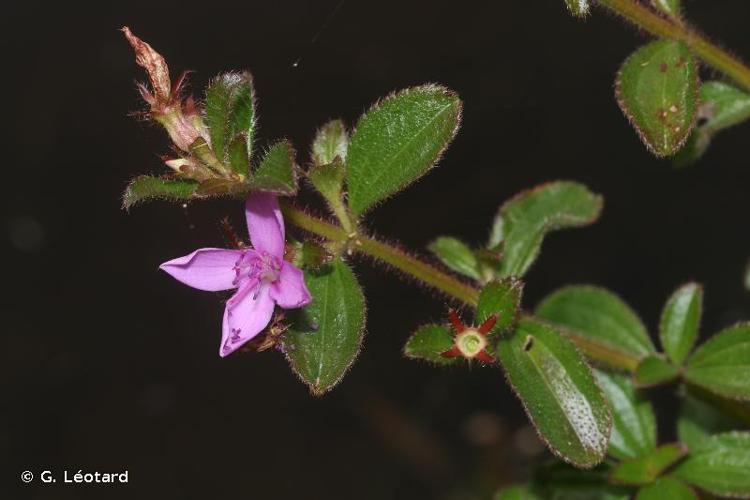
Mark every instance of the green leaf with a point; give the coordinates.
(698, 420)
(524, 220)
(657, 90)
(503, 299)
(666, 488)
(669, 7)
(328, 179)
(331, 142)
(397, 141)
(680, 320)
(655, 370)
(600, 323)
(579, 8)
(326, 336)
(146, 187)
(230, 111)
(634, 423)
(720, 465)
(722, 106)
(646, 468)
(429, 342)
(457, 256)
(277, 173)
(221, 187)
(722, 364)
(558, 392)
(309, 255)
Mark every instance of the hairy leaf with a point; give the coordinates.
(657, 89)
(719, 465)
(429, 342)
(666, 488)
(330, 142)
(524, 220)
(601, 323)
(680, 320)
(558, 392)
(456, 255)
(277, 173)
(503, 299)
(397, 141)
(230, 111)
(328, 179)
(722, 364)
(655, 370)
(326, 336)
(146, 187)
(634, 423)
(645, 469)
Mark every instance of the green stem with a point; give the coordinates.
(713, 55)
(384, 252)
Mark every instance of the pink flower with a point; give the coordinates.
(261, 275)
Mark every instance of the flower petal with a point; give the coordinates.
(209, 269)
(265, 224)
(247, 313)
(290, 291)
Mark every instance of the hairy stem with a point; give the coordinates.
(430, 275)
(713, 55)
(384, 252)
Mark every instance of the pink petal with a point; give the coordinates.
(290, 291)
(265, 224)
(209, 269)
(247, 313)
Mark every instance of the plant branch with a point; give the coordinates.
(713, 55)
(384, 252)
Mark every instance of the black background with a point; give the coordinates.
(107, 364)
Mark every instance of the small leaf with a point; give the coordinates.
(720, 465)
(326, 336)
(221, 187)
(655, 370)
(579, 8)
(146, 187)
(558, 392)
(646, 468)
(309, 255)
(669, 7)
(657, 90)
(698, 420)
(397, 141)
(680, 320)
(328, 179)
(503, 299)
(600, 323)
(230, 111)
(277, 173)
(666, 488)
(722, 364)
(524, 220)
(331, 142)
(457, 256)
(634, 423)
(428, 343)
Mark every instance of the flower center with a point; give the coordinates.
(470, 342)
(257, 266)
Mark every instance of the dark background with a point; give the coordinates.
(107, 364)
